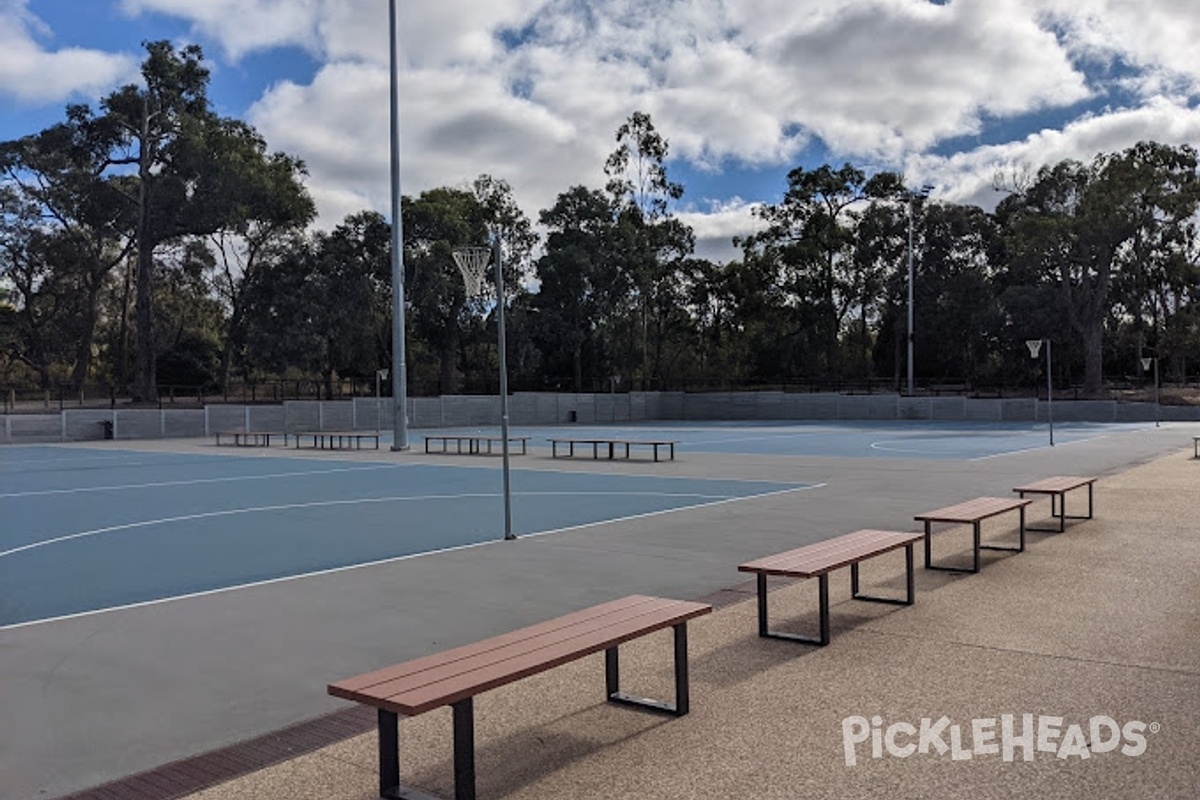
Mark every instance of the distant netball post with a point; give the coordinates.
(1035, 345)
(472, 263)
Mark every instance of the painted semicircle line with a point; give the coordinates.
(394, 559)
(395, 499)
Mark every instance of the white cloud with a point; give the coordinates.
(243, 26)
(715, 228)
(36, 75)
(532, 91)
(967, 177)
(1155, 37)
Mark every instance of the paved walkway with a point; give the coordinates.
(1102, 621)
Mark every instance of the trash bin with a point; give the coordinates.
(108, 428)
(572, 416)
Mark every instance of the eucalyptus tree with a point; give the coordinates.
(656, 243)
(875, 266)
(435, 223)
(962, 323)
(316, 302)
(275, 206)
(189, 172)
(1089, 228)
(581, 284)
(1158, 267)
(74, 228)
(809, 238)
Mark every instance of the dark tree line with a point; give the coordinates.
(154, 242)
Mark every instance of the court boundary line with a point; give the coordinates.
(229, 512)
(157, 485)
(1041, 447)
(391, 560)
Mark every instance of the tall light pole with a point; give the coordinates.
(399, 368)
(913, 195)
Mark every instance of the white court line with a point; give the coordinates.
(777, 435)
(319, 503)
(394, 559)
(1040, 447)
(196, 481)
(880, 446)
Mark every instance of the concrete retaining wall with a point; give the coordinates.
(528, 408)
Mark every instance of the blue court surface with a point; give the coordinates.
(89, 529)
(930, 440)
(86, 529)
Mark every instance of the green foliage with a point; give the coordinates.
(157, 224)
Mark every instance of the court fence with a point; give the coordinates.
(529, 408)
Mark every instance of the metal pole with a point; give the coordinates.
(496, 253)
(910, 294)
(399, 368)
(1157, 407)
(1050, 392)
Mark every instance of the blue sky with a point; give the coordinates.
(531, 91)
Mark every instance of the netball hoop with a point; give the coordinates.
(473, 263)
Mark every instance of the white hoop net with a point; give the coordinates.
(1035, 347)
(473, 263)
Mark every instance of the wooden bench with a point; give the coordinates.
(1057, 487)
(455, 676)
(336, 440)
(611, 445)
(244, 438)
(476, 445)
(818, 560)
(973, 512)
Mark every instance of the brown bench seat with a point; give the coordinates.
(972, 513)
(1057, 487)
(818, 560)
(455, 676)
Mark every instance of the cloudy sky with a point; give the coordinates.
(947, 91)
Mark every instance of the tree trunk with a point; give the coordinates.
(577, 368)
(1093, 358)
(448, 363)
(83, 348)
(145, 376)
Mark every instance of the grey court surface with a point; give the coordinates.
(164, 599)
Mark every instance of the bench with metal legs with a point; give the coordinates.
(818, 560)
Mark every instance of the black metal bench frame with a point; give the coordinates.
(1058, 505)
(612, 443)
(474, 444)
(822, 639)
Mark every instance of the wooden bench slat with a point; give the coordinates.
(832, 554)
(974, 510)
(455, 688)
(819, 552)
(1058, 483)
(362, 683)
(516, 644)
(468, 670)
